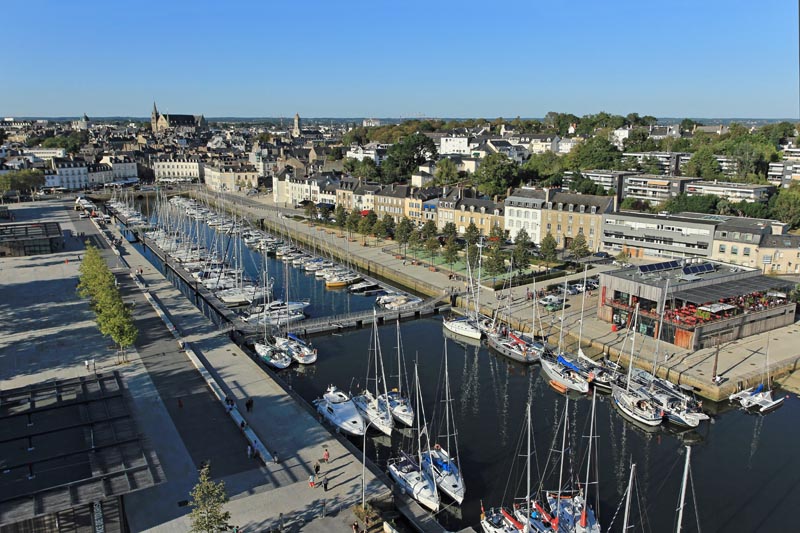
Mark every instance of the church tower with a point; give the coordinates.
(154, 118)
(296, 129)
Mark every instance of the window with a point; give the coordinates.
(560, 206)
(722, 248)
(591, 231)
(570, 218)
(571, 206)
(746, 252)
(558, 228)
(549, 226)
(734, 250)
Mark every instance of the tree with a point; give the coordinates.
(403, 158)
(429, 229)
(548, 248)
(703, 164)
(472, 234)
(311, 210)
(207, 501)
(404, 230)
(379, 229)
(446, 171)
(544, 166)
(21, 180)
(388, 225)
(324, 213)
(521, 252)
(340, 214)
(414, 240)
(449, 230)
(353, 221)
(634, 204)
(496, 174)
(597, 152)
(651, 165)
(786, 207)
(495, 258)
(450, 253)
(706, 203)
(432, 246)
(578, 246)
(365, 228)
(336, 153)
(366, 169)
(687, 125)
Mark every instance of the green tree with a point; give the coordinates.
(388, 224)
(22, 180)
(578, 246)
(353, 222)
(336, 153)
(365, 226)
(687, 125)
(350, 164)
(449, 230)
(594, 153)
(495, 174)
(207, 501)
(379, 229)
(355, 136)
(414, 240)
(404, 230)
(432, 246)
(703, 164)
(521, 252)
(450, 252)
(472, 234)
(340, 214)
(544, 166)
(706, 203)
(446, 171)
(324, 213)
(786, 206)
(429, 229)
(639, 141)
(548, 248)
(651, 165)
(403, 158)
(311, 210)
(495, 257)
(367, 170)
(634, 204)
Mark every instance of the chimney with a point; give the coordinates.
(547, 194)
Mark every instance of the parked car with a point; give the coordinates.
(554, 307)
(551, 299)
(602, 255)
(578, 287)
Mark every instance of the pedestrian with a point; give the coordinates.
(311, 481)
(404, 262)
(354, 526)
(242, 425)
(86, 364)
(325, 483)
(275, 457)
(316, 468)
(180, 403)
(249, 404)
(249, 452)
(326, 456)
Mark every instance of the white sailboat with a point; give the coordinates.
(338, 408)
(297, 348)
(410, 472)
(564, 374)
(443, 458)
(267, 351)
(375, 411)
(758, 398)
(399, 403)
(631, 402)
(467, 325)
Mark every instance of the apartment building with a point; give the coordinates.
(655, 189)
(733, 192)
(565, 215)
(463, 207)
(669, 163)
(523, 210)
(231, 176)
(178, 169)
(391, 200)
(659, 235)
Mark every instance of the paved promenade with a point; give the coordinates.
(740, 362)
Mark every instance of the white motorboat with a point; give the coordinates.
(338, 408)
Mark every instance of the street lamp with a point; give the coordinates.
(364, 468)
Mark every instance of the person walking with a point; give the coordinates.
(316, 468)
(311, 481)
(326, 456)
(249, 452)
(86, 364)
(249, 405)
(325, 483)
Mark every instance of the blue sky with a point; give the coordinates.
(706, 58)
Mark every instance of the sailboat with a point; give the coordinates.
(571, 509)
(375, 411)
(410, 472)
(631, 402)
(758, 398)
(443, 458)
(293, 345)
(268, 352)
(532, 518)
(564, 374)
(467, 325)
(399, 404)
(684, 485)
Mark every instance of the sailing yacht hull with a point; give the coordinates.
(629, 405)
(273, 356)
(414, 482)
(374, 412)
(400, 408)
(510, 349)
(567, 378)
(445, 473)
(463, 327)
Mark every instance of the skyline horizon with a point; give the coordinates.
(719, 58)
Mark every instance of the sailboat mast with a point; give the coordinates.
(528, 490)
(447, 403)
(633, 343)
(628, 499)
(583, 304)
(399, 368)
(683, 488)
(563, 451)
(563, 307)
(588, 460)
(660, 325)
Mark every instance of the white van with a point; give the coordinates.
(551, 299)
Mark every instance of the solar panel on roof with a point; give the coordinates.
(698, 268)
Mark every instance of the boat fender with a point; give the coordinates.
(437, 447)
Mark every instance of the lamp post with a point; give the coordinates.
(364, 468)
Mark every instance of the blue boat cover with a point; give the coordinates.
(295, 338)
(758, 389)
(567, 364)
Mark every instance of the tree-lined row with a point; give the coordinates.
(97, 283)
